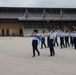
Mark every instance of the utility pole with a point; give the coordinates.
(61, 18)
(26, 16)
(44, 17)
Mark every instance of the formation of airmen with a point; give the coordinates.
(67, 39)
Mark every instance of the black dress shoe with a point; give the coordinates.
(50, 55)
(57, 45)
(61, 47)
(69, 46)
(38, 53)
(54, 54)
(33, 56)
(74, 48)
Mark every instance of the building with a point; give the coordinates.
(16, 20)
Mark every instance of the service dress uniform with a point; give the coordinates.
(35, 44)
(74, 35)
(48, 39)
(51, 43)
(62, 36)
(71, 39)
(66, 39)
(43, 42)
(56, 35)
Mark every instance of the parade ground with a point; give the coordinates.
(16, 59)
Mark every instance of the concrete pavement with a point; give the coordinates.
(16, 59)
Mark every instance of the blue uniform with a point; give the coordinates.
(67, 39)
(48, 38)
(51, 40)
(37, 36)
(71, 39)
(35, 44)
(43, 41)
(74, 35)
(56, 34)
(62, 35)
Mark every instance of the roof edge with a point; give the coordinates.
(38, 7)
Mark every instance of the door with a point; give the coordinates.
(21, 32)
(7, 32)
(3, 32)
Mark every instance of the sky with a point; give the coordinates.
(39, 3)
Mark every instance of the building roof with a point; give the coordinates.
(38, 14)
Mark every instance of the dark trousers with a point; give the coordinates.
(71, 41)
(52, 52)
(56, 41)
(75, 42)
(48, 41)
(62, 42)
(34, 46)
(66, 41)
(43, 43)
